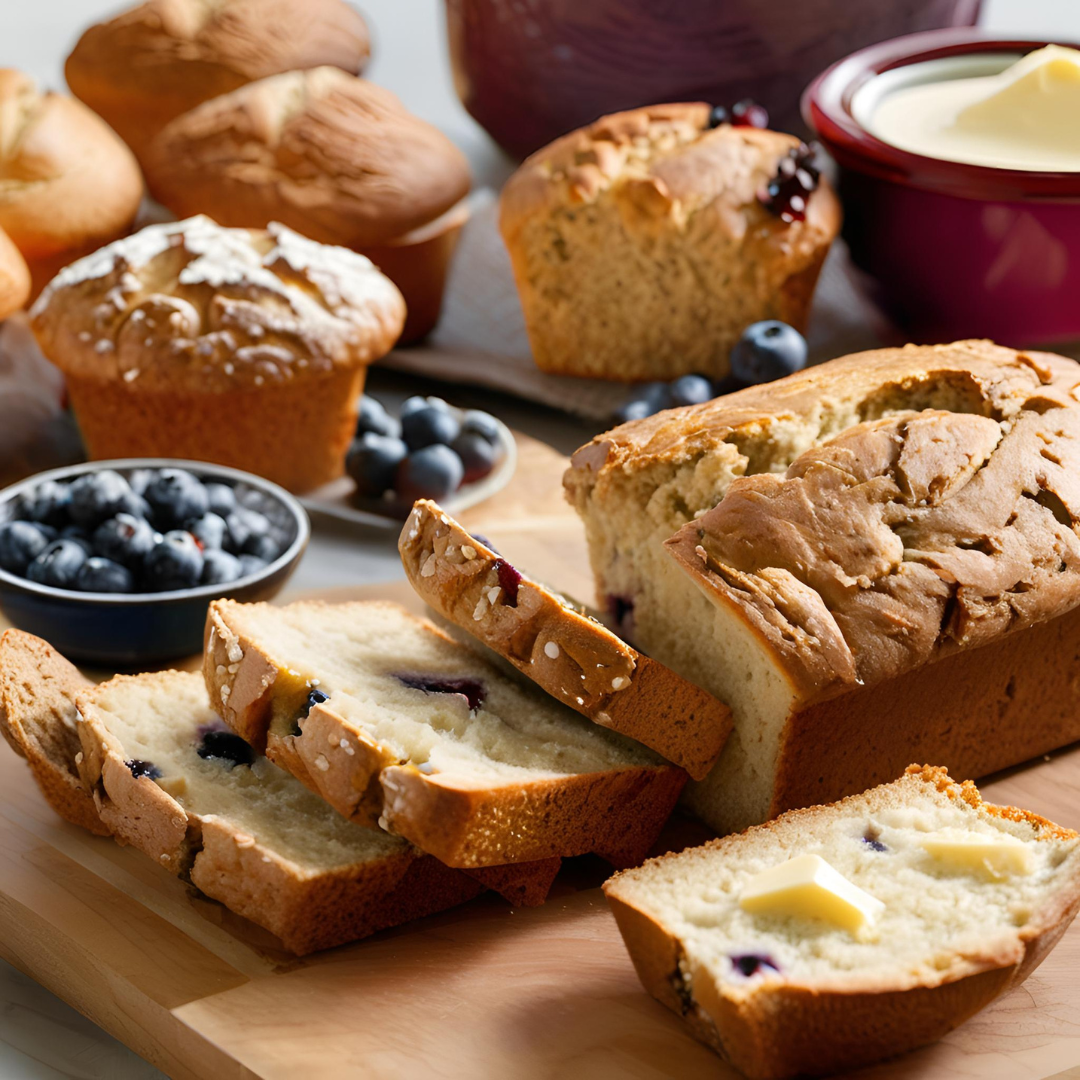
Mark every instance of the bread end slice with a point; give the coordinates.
(819, 1003)
(576, 659)
(38, 688)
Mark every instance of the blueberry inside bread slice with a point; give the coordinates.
(170, 779)
(842, 934)
(576, 659)
(393, 722)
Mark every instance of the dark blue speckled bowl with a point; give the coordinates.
(128, 630)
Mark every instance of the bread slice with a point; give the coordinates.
(784, 996)
(37, 717)
(573, 657)
(417, 732)
(170, 779)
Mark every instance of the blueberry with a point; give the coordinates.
(51, 533)
(631, 410)
(748, 964)
(176, 496)
(431, 473)
(48, 503)
(103, 575)
(244, 524)
(139, 480)
(58, 564)
(727, 385)
(315, 697)
(768, 350)
(140, 768)
(471, 689)
(251, 564)
(263, 547)
(372, 463)
(412, 404)
(209, 530)
(80, 536)
(124, 539)
(21, 542)
(719, 114)
(222, 499)
(476, 453)
(174, 563)
(429, 426)
(481, 423)
(99, 495)
(374, 418)
(691, 390)
(226, 746)
(219, 567)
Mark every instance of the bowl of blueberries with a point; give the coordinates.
(430, 450)
(115, 562)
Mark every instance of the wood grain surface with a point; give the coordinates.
(481, 991)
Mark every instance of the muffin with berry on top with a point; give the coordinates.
(645, 244)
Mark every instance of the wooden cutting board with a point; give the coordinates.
(481, 991)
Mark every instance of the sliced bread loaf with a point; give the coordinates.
(573, 657)
(841, 934)
(37, 717)
(391, 720)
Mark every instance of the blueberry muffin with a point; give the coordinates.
(646, 243)
(242, 347)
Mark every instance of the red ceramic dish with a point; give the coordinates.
(958, 250)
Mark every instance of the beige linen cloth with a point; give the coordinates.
(481, 337)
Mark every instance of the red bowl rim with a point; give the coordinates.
(826, 107)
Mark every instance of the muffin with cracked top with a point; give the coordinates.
(244, 347)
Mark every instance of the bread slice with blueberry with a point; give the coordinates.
(644, 244)
(576, 659)
(393, 722)
(833, 937)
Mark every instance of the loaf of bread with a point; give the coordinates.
(69, 184)
(642, 247)
(14, 277)
(576, 659)
(872, 562)
(786, 972)
(158, 59)
(243, 347)
(334, 157)
(392, 721)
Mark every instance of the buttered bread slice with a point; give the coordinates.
(576, 659)
(392, 721)
(842, 934)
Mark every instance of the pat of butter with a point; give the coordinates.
(998, 855)
(807, 886)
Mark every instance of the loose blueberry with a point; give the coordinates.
(747, 113)
(644, 401)
(252, 564)
(372, 463)
(244, 524)
(21, 542)
(432, 473)
(750, 964)
(476, 453)
(691, 390)
(48, 503)
(480, 423)
(768, 350)
(727, 385)
(176, 496)
(471, 689)
(221, 499)
(103, 575)
(174, 563)
(57, 565)
(429, 426)
(719, 114)
(219, 567)
(509, 581)
(124, 539)
(140, 768)
(99, 495)
(632, 410)
(209, 530)
(226, 746)
(374, 418)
